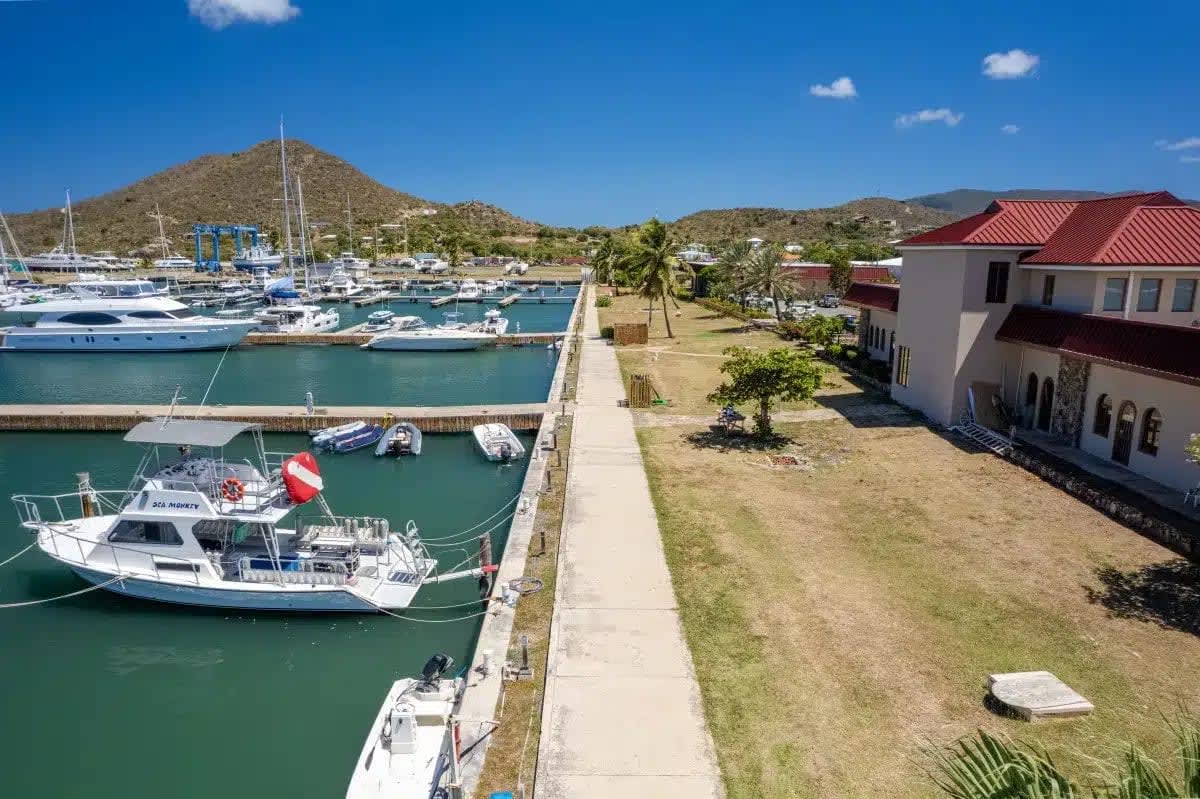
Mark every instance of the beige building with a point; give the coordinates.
(1082, 317)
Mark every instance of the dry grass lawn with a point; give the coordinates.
(843, 615)
(684, 369)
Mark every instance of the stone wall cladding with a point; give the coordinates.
(1070, 393)
(864, 323)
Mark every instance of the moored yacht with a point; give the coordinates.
(289, 318)
(173, 262)
(341, 286)
(254, 256)
(453, 334)
(468, 291)
(102, 324)
(197, 528)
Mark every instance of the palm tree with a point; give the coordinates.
(764, 273)
(732, 263)
(992, 767)
(651, 263)
(609, 260)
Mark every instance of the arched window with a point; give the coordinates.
(1103, 420)
(1151, 430)
(1031, 388)
(1123, 436)
(1046, 408)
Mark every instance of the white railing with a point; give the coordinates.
(37, 509)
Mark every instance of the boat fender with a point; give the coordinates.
(233, 489)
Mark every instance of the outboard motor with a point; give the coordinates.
(505, 452)
(435, 667)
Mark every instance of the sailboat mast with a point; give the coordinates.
(349, 222)
(303, 229)
(162, 235)
(287, 214)
(70, 226)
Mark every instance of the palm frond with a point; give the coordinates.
(991, 767)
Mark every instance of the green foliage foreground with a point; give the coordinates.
(763, 377)
(986, 766)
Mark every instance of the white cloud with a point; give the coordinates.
(218, 14)
(1189, 159)
(840, 89)
(1010, 129)
(1013, 64)
(1190, 143)
(929, 115)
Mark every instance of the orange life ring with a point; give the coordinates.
(233, 489)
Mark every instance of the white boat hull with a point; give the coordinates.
(430, 343)
(33, 339)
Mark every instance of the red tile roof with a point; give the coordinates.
(1003, 223)
(876, 296)
(821, 272)
(1171, 352)
(1149, 230)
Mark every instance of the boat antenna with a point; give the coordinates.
(171, 410)
(213, 379)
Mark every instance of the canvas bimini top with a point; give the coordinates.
(188, 432)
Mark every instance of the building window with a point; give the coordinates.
(902, 364)
(1103, 420)
(1031, 387)
(1114, 294)
(997, 284)
(1046, 408)
(132, 531)
(1148, 291)
(1151, 431)
(1048, 290)
(1185, 295)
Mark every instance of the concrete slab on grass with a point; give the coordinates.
(1034, 695)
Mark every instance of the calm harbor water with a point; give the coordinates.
(528, 315)
(110, 697)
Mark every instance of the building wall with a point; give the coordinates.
(1179, 405)
(1043, 365)
(1073, 291)
(885, 323)
(1164, 315)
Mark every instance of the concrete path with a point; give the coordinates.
(622, 713)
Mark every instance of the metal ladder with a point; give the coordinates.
(989, 439)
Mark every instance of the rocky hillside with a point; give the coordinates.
(875, 219)
(242, 187)
(964, 202)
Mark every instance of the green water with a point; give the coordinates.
(110, 697)
(281, 375)
(526, 316)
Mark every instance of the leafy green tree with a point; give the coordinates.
(651, 265)
(609, 260)
(764, 273)
(452, 244)
(730, 269)
(986, 766)
(763, 377)
(819, 329)
(841, 273)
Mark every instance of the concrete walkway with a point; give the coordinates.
(622, 713)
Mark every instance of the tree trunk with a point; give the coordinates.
(764, 415)
(775, 302)
(650, 315)
(666, 316)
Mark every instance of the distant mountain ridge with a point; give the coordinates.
(242, 187)
(964, 202)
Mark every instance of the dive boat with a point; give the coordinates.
(102, 324)
(196, 528)
(254, 256)
(400, 439)
(410, 751)
(378, 321)
(498, 443)
(451, 335)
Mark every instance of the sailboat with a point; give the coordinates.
(65, 257)
(169, 260)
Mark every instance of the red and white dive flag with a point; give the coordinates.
(302, 478)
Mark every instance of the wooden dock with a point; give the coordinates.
(351, 337)
(273, 418)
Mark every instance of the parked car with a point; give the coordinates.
(850, 322)
(829, 300)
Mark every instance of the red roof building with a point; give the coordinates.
(874, 296)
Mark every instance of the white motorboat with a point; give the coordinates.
(233, 291)
(119, 324)
(493, 322)
(498, 443)
(255, 256)
(340, 285)
(516, 268)
(196, 528)
(296, 318)
(378, 321)
(173, 262)
(468, 291)
(451, 335)
(107, 260)
(410, 751)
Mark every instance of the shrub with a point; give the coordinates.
(835, 350)
(684, 294)
(606, 332)
(728, 308)
(603, 302)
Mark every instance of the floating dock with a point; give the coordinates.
(273, 418)
(350, 337)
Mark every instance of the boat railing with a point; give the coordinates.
(37, 509)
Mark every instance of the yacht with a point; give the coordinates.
(452, 334)
(289, 318)
(196, 528)
(57, 260)
(90, 323)
(173, 262)
(257, 255)
(233, 291)
(468, 291)
(108, 261)
(493, 322)
(340, 285)
(114, 289)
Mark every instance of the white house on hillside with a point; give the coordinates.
(1082, 316)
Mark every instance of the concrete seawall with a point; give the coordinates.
(284, 419)
(350, 338)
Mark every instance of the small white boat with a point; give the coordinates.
(516, 268)
(297, 319)
(410, 751)
(493, 323)
(498, 443)
(173, 262)
(233, 291)
(341, 286)
(319, 437)
(400, 439)
(379, 320)
(468, 291)
(451, 335)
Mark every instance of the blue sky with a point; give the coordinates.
(606, 113)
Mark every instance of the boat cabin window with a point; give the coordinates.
(150, 315)
(184, 313)
(89, 318)
(134, 531)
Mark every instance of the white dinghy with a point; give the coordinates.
(410, 752)
(498, 443)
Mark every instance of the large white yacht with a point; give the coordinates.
(173, 262)
(340, 285)
(261, 255)
(141, 322)
(452, 334)
(196, 528)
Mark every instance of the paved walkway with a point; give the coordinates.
(622, 714)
